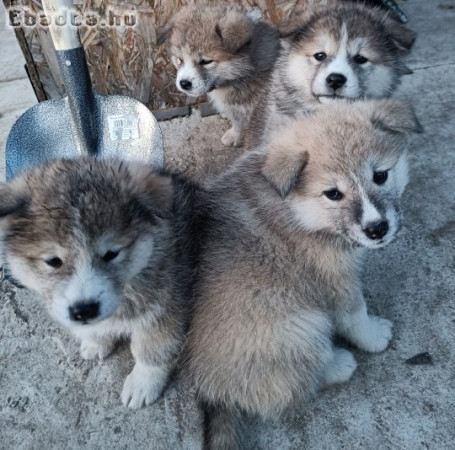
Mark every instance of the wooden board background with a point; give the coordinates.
(124, 59)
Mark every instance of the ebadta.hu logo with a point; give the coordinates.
(21, 16)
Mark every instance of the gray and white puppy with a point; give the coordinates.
(222, 52)
(278, 269)
(344, 52)
(97, 240)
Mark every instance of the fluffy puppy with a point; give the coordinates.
(99, 241)
(283, 233)
(220, 51)
(340, 53)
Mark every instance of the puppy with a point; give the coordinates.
(278, 265)
(220, 51)
(344, 52)
(97, 240)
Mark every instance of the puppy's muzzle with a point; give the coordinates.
(376, 230)
(84, 311)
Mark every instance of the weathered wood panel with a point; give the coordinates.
(119, 38)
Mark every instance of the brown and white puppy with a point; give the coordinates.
(97, 240)
(222, 52)
(340, 53)
(278, 267)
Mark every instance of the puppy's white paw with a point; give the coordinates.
(143, 385)
(377, 336)
(340, 368)
(231, 138)
(96, 349)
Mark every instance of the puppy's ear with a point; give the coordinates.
(283, 167)
(154, 191)
(295, 24)
(395, 116)
(164, 33)
(235, 31)
(402, 37)
(12, 198)
(160, 190)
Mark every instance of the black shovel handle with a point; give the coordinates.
(76, 78)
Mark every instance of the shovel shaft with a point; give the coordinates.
(81, 98)
(63, 31)
(75, 74)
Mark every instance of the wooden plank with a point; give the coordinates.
(206, 109)
(31, 69)
(171, 113)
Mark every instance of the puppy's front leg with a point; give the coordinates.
(153, 351)
(369, 333)
(239, 117)
(232, 137)
(96, 346)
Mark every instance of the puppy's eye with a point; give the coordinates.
(320, 56)
(205, 62)
(55, 262)
(110, 255)
(333, 194)
(380, 177)
(359, 59)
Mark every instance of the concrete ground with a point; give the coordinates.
(51, 399)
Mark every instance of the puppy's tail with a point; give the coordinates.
(222, 427)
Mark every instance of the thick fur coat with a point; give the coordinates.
(278, 273)
(104, 244)
(222, 52)
(329, 54)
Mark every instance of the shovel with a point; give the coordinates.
(83, 123)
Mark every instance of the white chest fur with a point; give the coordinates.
(218, 98)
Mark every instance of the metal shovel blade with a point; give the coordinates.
(83, 123)
(125, 129)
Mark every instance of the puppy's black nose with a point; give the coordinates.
(336, 80)
(185, 84)
(377, 230)
(83, 311)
